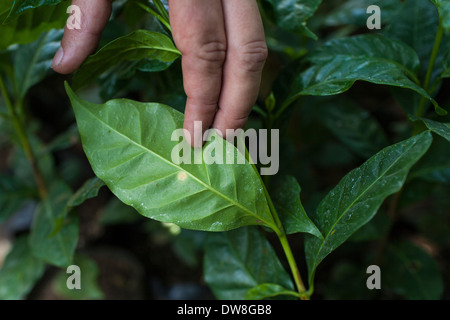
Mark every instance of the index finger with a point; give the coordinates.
(246, 55)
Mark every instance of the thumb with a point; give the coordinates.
(80, 41)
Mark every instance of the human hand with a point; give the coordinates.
(223, 53)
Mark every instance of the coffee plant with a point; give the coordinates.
(360, 98)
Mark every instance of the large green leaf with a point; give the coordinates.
(87, 191)
(357, 197)
(32, 61)
(54, 237)
(129, 146)
(411, 272)
(31, 24)
(20, 271)
(240, 260)
(339, 63)
(139, 45)
(290, 209)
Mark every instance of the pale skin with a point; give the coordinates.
(223, 54)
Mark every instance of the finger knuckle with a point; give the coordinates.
(253, 55)
(211, 52)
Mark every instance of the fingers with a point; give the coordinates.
(246, 55)
(77, 44)
(199, 33)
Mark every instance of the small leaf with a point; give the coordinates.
(89, 190)
(32, 61)
(270, 102)
(292, 15)
(290, 209)
(440, 128)
(52, 238)
(357, 197)
(269, 290)
(412, 273)
(129, 146)
(140, 45)
(238, 260)
(20, 271)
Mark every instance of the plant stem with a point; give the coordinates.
(281, 234)
(293, 265)
(286, 248)
(21, 133)
(437, 43)
(269, 126)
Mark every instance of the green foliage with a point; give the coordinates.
(33, 61)
(356, 199)
(240, 260)
(20, 271)
(52, 238)
(131, 151)
(29, 26)
(147, 50)
(89, 286)
(358, 141)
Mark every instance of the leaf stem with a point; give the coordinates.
(437, 43)
(21, 133)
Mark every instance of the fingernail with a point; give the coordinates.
(58, 57)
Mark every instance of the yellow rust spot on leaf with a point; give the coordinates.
(182, 176)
